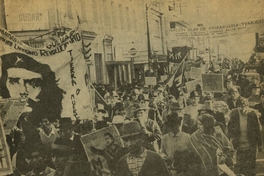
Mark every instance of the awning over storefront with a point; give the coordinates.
(118, 62)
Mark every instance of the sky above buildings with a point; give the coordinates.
(224, 12)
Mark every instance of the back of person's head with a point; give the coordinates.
(173, 120)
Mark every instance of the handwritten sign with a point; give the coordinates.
(150, 80)
(191, 85)
(196, 73)
(212, 82)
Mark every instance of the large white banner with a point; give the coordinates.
(51, 79)
(219, 31)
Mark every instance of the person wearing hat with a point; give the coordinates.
(139, 161)
(244, 132)
(66, 132)
(207, 108)
(150, 127)
(254, 98)
(191, 111)
(175, 108)
(175, 139)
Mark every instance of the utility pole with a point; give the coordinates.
(148, 39)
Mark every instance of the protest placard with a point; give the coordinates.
(150, 80)
(10, 112)
(103, 149)
(191, 85)
(212, 82)
(5, 160)
(196, 73)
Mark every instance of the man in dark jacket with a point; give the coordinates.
(139, 161)
(234, 96)
(244, 132)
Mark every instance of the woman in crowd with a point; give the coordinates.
(211, 145)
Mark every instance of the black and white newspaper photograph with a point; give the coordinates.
(131, 87)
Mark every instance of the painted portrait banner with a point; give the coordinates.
(103, 149)
(5, 160)
(51, 79)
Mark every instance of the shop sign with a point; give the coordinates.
(32, 15)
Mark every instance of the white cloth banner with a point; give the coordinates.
(220, 30)
(51, 79)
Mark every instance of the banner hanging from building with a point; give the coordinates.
(51, 79)
(220, 30)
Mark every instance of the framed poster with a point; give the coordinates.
(103, 149)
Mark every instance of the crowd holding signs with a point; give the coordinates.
(49, 125)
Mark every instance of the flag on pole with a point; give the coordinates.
(176, 80)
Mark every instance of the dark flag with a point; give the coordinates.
(176, 80)
(178, 54)
(170, 56)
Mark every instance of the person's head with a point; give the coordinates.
(37, 157)
(262, 96)
(255, 80)
(205, 123)
(140, 111)
(132, 136)
(243, 104)
(65, 128)
(173, 122)
(62, 150)
(175, 107)
(109, 139)
(194, 97)
(23, 76)
(133, 96)
(45, 123)
(255, 89)
(233, 92)
(206, 108)
(141, 99)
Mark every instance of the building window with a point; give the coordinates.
(128, 19)
(157, 28)
(95, 14)
(135, 20)
(109, 57)
(113, 14)
(106, 14)
(98, 67)
(172, 25)
(121, 16)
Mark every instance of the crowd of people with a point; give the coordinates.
(196, 134)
